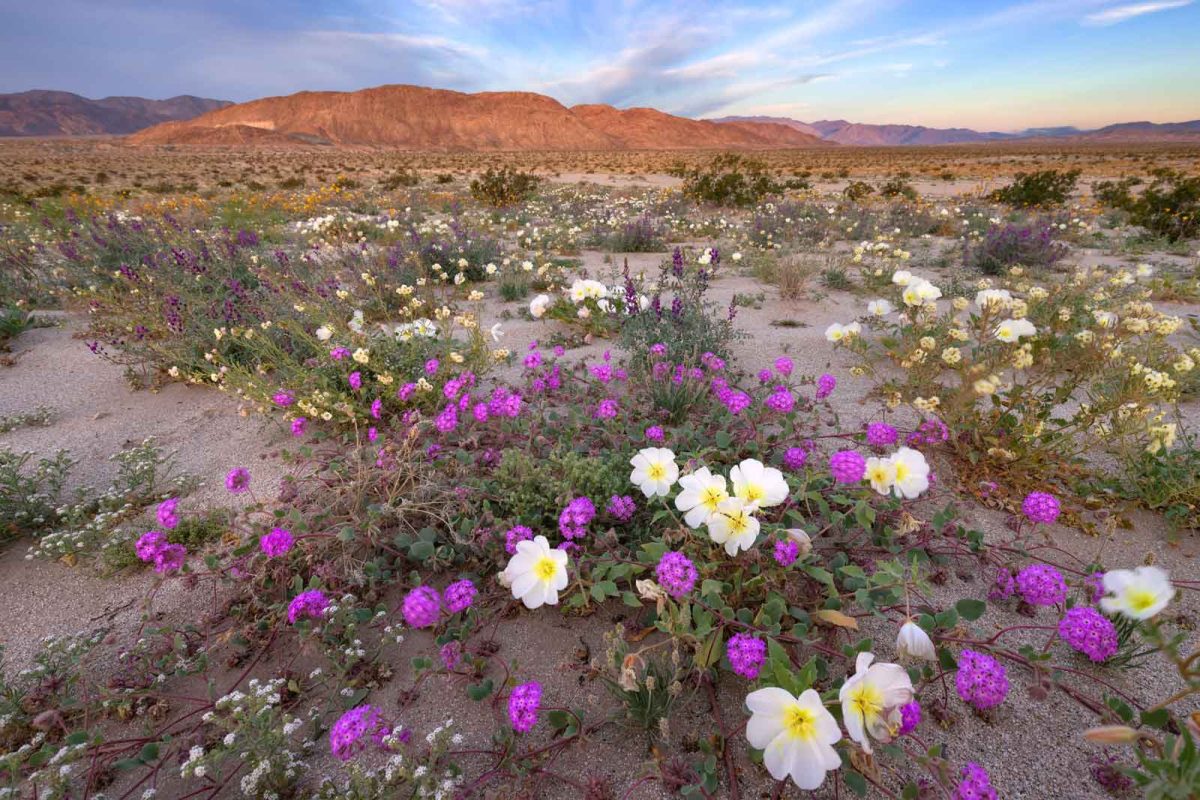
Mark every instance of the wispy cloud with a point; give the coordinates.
(1112, 16)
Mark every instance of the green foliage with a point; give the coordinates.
(857, 190)
(503, 187)
(13, 322)
(532, 489)
(1044, 188)
(1169, 206)
(898, 187)
(729, 180)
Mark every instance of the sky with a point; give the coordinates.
(999, 65)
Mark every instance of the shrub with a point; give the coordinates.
(729, 180)
(898, 187)
(1169, 206)
(857, 190)
(640, 235)
(504, 187)
(1047, 187)
(1006, 246)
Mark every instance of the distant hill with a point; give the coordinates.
(867, 135)
(49, 113)
(419, 118)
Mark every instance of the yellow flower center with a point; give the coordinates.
(866, 700)
(738, 522)
(656, 472)
(545, 568)
(712, 497)
(799, 723)
(754, 492)
(1139, 600)
(902, 471)
(1005, 332)
(878, 474)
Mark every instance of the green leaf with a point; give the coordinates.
(856, 782)
(149, 752)
(479, 691)
(421, 551)
(970, 609)
(1156, 719)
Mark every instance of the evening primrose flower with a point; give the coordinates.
(538, 306)
(911, 473)
(838, 332)
(796, 735)
(902, 277)
(536, 573)
(871, 700)
(879, 308)
(1137, 594)
(324, 333)
(913, 642)
(702, 494)
(992, 298)
(654, 471)
(758, 485)
(881, 473)
(1010, 330)
(733, 525)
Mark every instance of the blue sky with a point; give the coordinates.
(995, 65)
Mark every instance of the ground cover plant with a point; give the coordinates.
(507, 406)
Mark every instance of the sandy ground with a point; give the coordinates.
(1032, 748)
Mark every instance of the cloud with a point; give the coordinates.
(1112, 16)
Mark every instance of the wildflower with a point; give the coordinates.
(324, 333)
(902, 277)
(786, 552)
(981, 680)
(1041, 507)
(781, 400)
(746, 654)
(1090, 632)
(298, 426)
(871, 700)
(605, 409)
(238, 480)
(796, 735)
(451, 655)
(881, 474)
(975, 784)
(847, 466)
(879, 308)
(523, 705)
(148, 545)
(537, 573)
(911, 473)
(574, 519)
(167, 517)
(1011, 330)
(459, 596)
(355, 380)
(991, 299)
(283, 398)
(354, 728)
(794, 458)
(914, 642)
(880, 434)
(758, 485)
(837, 332)
(515, 534)
(655, 433)
(1042, 585)
(422, 607)
(733, 525)
(621, 507)
(311, 604)
(910, 718)
(169, 558)
(276, 543)
(825, 386)
(1137, 594)
(676, 573)
(654, 471)
(1095, 586)
(784, 366)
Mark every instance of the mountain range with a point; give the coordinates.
(863, 134)
(49, 113)
(419, 118)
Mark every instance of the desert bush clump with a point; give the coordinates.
(1008, 245)
(501, 188)
(1041, 189)
(728, 180)
(1169, 206)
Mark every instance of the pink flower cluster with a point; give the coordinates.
(153, 547)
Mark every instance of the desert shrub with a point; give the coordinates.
(13, 322)
(1007, 245)
(792, 274)
(640, 235)
(1169, 206)
(857, 190)
(503, 187)
(898, 187)
(406, 178)
(1044, 188)
(728, 180)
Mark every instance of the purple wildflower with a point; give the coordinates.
(676, 574)
(910, 717)
(574, 519)
(523, 705)
(355, 380)
(784, 366)
(1095, 586)
(605, 409)
(431, 366)
(794, 458)
(655, 433)
(981, 680)
(847, 466)
(276, 543)
(880, 434)
(167, 517)
(515, 534)
(354, 728)
(422, 607)
(746, 654)
(310, 604)
(283, 398)
(1041, 585)
(975, 785)
(238, 480)
(1090, 632)
(786, 551)
(148, 545)
(1041, 507)
(1005, 585)
(170, 558)
(459, 596)
(622, 507)
(825, 385)
(451, 655)
(781, 400)
(298, 426)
